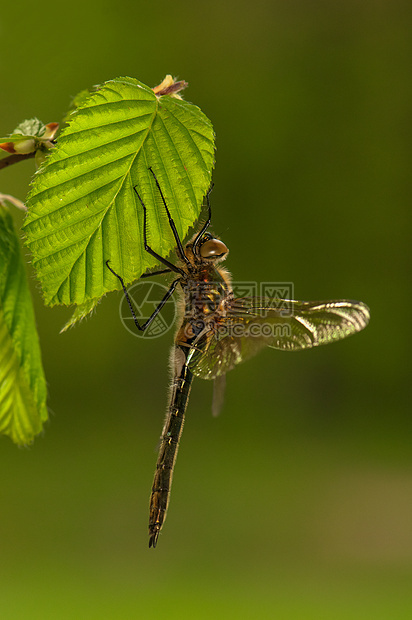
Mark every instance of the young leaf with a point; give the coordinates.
(82, 209)
(30, 128)
(30, 136)
(22, 383)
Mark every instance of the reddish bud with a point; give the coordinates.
(8, 146)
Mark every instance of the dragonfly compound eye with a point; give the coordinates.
(213, 248)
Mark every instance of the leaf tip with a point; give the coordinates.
(80, 313)
(170, 86)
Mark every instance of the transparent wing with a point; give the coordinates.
(219, 387)
(253, 323)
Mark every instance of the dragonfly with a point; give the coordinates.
(217, 331)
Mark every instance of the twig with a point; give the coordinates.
(13, 159)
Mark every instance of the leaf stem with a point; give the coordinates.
(15, 158)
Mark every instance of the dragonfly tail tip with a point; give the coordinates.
(153, 539)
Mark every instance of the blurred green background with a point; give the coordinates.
(297, 501)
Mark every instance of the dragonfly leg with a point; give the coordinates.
(209, 219)
(180, 249)
(154, 273)
(146, 324)
(148, 249)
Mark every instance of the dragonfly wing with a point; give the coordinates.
(293, 325)
(219, 387)
(253, 323)
(216, 356)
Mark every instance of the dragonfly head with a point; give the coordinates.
(210, 249)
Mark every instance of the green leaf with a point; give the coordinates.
(80, 313)
(77, 101)
(12, 138)
(22, 383)
(82, 209)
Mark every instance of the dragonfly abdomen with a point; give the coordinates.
(172, 431)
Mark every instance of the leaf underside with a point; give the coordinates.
(22, 384)
(82, 209)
